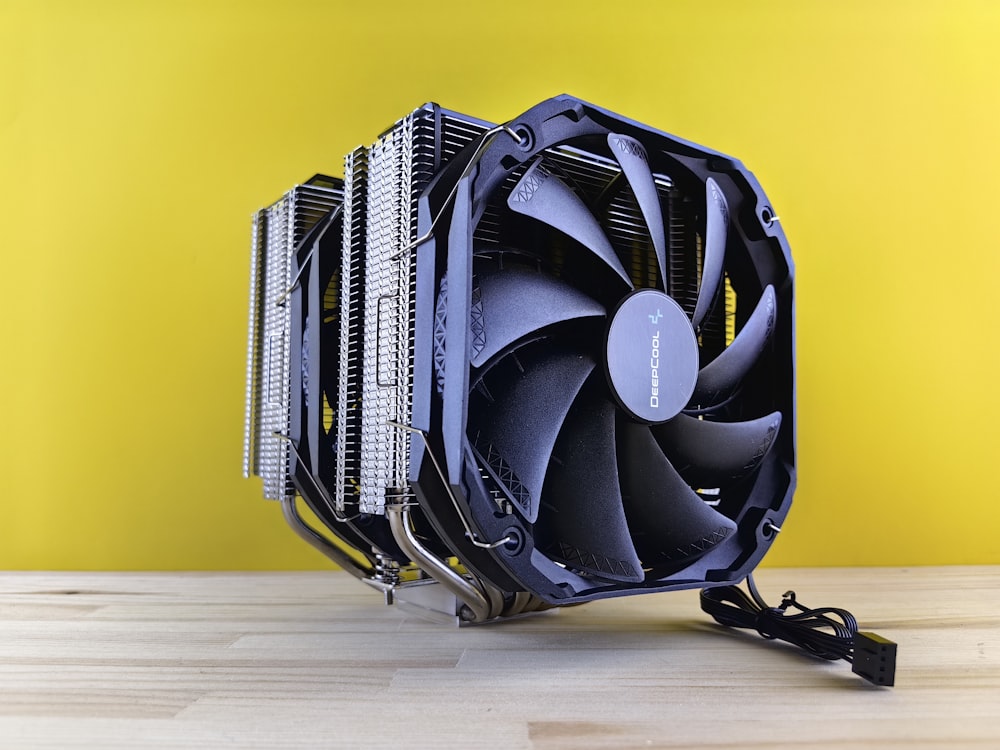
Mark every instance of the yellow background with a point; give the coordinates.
(137, 138)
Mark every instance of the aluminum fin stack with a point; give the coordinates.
(277, 231)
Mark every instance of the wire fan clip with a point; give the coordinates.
(469, 533)
(486, 139)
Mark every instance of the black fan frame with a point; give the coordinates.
(317, 260)
(453, 204)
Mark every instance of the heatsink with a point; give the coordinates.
(437, 365)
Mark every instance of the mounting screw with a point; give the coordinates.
(515, 541)
(527, 142)
(465, 614)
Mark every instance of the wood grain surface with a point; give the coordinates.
(122, 660)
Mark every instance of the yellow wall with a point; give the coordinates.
(137, 138)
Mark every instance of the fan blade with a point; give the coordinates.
(515, 433)
(716, 227)
(717, 451)
(632, 158)
(548, 199)
(582, 522)
(669, 522)
(724, 372)
(510, 304)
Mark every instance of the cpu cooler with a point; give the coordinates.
(509, 367)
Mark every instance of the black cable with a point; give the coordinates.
(827, 632)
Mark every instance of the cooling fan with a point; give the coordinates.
(528, 365)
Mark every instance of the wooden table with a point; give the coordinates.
(316, 660)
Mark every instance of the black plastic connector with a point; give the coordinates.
(874, 659)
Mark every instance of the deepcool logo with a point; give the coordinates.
(651, 357)
(654, 364)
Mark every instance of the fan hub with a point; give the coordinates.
(651, 356)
